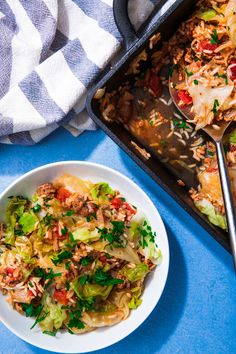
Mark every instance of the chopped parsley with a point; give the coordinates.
(223, 76)
(113, 236)
(172, 68)
(64, 231)
(36, 208)
(68, 213)
(180, 123)
(214, 37)
(105, 279)
(215, 107)
(67, 265)
(91, 216)
(50, 333)
(34, 311)
(188, 73)
(59, 257)
(83, 279)
(86, 260)
(195, 82)
(163, 143)
(31, 310)
(146, 235)
(76, 312)
(41, 273)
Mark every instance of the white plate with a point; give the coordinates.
(100, 338)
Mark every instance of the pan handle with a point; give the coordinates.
(120, 10)
(125, 27)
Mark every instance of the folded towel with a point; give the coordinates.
(51, 51)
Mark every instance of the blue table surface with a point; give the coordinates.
(197, 311)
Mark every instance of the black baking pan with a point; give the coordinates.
(114, 76)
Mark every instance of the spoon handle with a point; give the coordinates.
(228, 198)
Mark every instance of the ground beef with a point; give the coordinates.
(47, 190)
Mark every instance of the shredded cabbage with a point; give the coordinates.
(101, 190)
(137, 273)
(85, 235)
(208, 209)
(232, 137)
(207, 15)
(55, 315)
(135, 301)
(28, 221)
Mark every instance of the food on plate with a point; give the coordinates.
(75, 255)
(203, 53)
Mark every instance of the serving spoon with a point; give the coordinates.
(216, 135)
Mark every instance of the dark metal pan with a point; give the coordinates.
(112, 77)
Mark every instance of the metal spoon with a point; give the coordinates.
(216, 135)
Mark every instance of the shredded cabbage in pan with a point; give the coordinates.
(204, 53)
(75, 255)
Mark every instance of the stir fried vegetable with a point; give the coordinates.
(72, 257)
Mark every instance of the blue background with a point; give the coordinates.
(197, 311)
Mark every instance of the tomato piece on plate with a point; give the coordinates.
(10, 271)
(60, 296)
(130, 208)
(231, 71)
(116, 203)
(62, 194)
(207, 47)
(155, 84)
(185, 97)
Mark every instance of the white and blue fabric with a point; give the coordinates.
(51, 51)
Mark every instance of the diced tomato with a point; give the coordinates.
(62, 194)
(206, 47)
(130, 208)
(103, 258)
(10, 271)
(231, 71)
(155, 84)
(116, 203)
(212, 169)
(60, 296)
(30, 293)
(185, 97)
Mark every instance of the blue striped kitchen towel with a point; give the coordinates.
(51, 51)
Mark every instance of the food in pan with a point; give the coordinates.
(75, 255)
(203, 53)
(206, 62)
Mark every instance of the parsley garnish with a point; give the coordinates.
(83, 279)
(37, 208)
(113, 236)
(59, 257)
(31, 310)
(105, 279)
(64, 231)
(188, 73)
(223, 76)
(41, 273)
(76, 312)
(214, 37)
(180, 123)
(68, 213)
(163, 143)
(215, 107)
(50, 333)
(195, 82)
(86, 260)
(172, 68)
